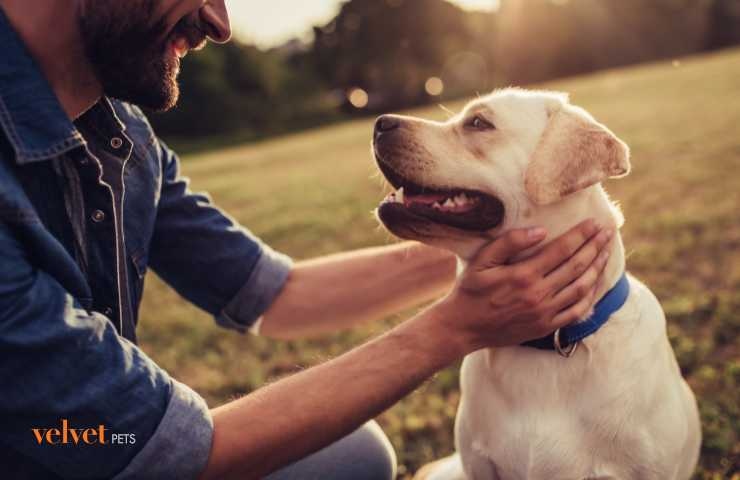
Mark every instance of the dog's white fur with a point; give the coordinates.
(619, 408)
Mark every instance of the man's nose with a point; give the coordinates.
(216, 18)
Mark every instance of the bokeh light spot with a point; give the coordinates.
(434, 86)
(358, 98)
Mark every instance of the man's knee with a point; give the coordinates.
(376, 452)
(366, 454)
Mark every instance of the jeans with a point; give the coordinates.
(365, 454)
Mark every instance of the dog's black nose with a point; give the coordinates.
(386, 123)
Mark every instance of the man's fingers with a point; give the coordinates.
(501, 250)
(583, 285)
(578, 264)
(561, 249)
(575, 312)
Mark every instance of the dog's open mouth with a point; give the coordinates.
(456, 207)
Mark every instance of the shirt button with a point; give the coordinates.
(98, 216)
(116, 142)
(108, 311)
(84, 161)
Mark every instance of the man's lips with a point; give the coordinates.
(180, 46)
(185, 36)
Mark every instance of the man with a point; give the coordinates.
(90, 198)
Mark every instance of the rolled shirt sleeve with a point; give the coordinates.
(62, 365)
(269, 274)
(208, 258)
(181, 444)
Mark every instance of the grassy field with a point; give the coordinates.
(313, 193)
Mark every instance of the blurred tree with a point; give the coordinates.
(222, 89)
(725, 24)
(237, 88)
(390, 48)
(542, 39)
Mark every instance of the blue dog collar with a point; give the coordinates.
(566, 339)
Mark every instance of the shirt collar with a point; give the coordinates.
(30, 113)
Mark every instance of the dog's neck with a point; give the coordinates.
(558, 218)
(592, 202)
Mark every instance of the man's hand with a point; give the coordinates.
(496, 302)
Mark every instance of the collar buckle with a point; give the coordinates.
(569, 350)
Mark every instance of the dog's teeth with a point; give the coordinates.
(436, 205)
(399, 195)
(449, 203)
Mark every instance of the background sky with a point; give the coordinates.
(271, 22)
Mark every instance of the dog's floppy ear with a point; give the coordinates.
(574, 152)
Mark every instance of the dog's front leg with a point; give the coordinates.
(478, 467)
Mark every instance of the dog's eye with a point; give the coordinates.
(479, 123)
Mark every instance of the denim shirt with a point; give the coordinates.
(85, 209)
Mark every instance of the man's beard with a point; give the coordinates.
(131, 55)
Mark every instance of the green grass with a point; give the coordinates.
(312, 193)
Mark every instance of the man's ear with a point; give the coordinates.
(574, 152)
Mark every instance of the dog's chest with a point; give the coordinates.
(534, 414)
(545, 431)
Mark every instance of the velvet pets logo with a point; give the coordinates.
(66, 435)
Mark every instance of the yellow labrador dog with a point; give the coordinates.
(600, 399)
